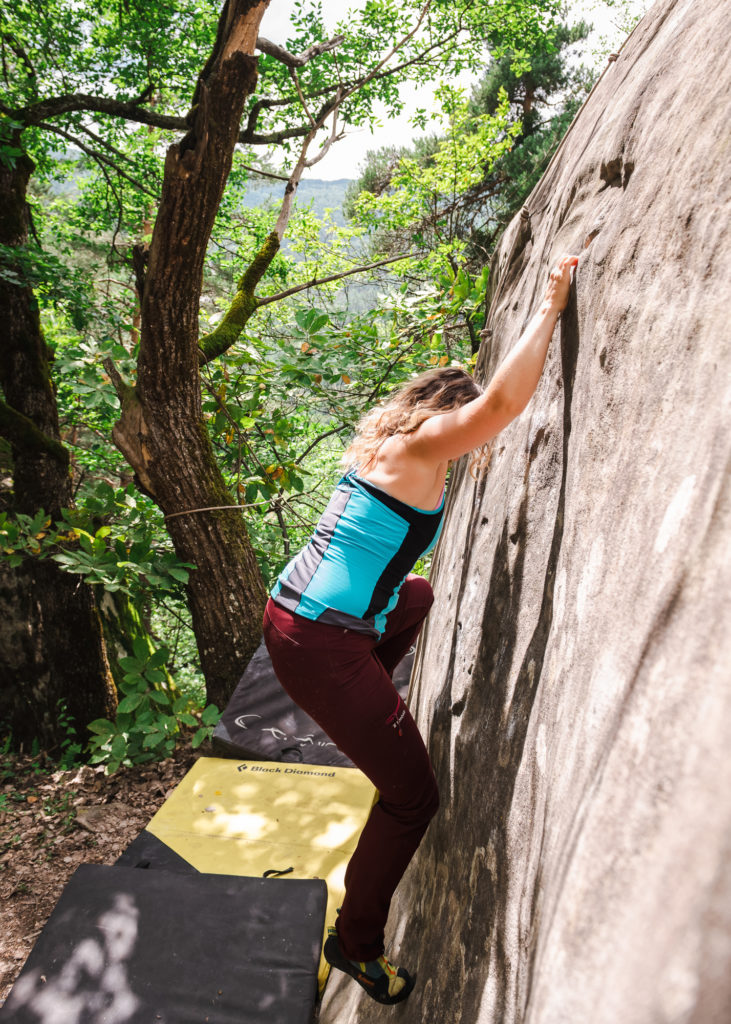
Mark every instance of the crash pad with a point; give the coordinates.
(125, 946)
(251, 817)
(147, 851)
(261, 721)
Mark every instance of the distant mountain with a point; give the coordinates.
(263, 192)
(324, 195)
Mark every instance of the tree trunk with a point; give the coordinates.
(52, 655)
(51, 645)
(161, 431)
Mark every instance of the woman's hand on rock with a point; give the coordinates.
(557, 293)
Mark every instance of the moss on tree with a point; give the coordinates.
(243, 306)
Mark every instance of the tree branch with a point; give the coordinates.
(334, 137)
(294, 179)
(385, 375)
(333, 106)
(249, 135)
(264, 174)
(120, 211)
(131, 110)
(123, 389)
(267, 102)
(297, 60)
(239, 432)
(69, 103)
(272, 138)
(99, 157)
(303, 101)
(314, 444)
(270, 442)
(243, 306)
(41, 112)
(332, 277)
(20, 53)
(103, 142)
(245, 303)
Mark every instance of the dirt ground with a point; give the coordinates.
(51, 821)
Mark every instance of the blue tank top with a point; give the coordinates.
(364, 546)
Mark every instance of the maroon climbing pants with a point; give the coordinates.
(342, 679)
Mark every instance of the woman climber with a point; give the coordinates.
(346, 609)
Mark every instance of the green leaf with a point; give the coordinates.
(119, 748)
(199, 737)
(179, 574)
(133, 683)
(132, 665)
(130, 703)
(101, 726)
(86, 542)
(318, 323)
(158, 658)
(303, 318)
(160, 698)
(210, 715)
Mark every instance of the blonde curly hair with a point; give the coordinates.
(429, 394)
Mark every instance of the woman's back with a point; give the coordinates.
(412, 479)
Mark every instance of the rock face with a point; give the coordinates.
(574, 678)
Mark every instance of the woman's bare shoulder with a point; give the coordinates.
(402, 472)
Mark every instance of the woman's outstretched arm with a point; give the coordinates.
(452, 434)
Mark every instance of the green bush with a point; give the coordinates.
(149, 718)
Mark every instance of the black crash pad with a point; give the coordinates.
(262, 723)
(147, 851)
(125, 946)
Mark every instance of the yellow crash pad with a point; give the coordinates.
(249, 817)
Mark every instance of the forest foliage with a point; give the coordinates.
(93, 95)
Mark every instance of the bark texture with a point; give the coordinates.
(162, 432)
(573, 679)
(29, 418)
(51, 643)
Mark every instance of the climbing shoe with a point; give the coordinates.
(381, 980)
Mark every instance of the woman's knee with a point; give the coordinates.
(419, 591)
(422, 805)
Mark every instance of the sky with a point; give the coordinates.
(345, 158)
